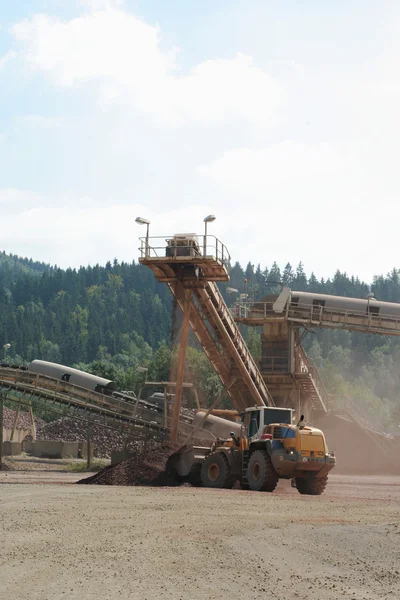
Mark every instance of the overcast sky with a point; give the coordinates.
(278, 116)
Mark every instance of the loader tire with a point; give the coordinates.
(312, 486)
(261, 475)
(195, 475)
(216, 472)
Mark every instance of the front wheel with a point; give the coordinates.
(261, 475)
(312, 486)
(216, 472)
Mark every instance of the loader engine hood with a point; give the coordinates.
(304, 440)
(311, 440)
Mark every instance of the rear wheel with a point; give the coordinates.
(261, 475)
(215, 471)
(312, 486)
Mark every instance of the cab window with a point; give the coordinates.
(254, 423)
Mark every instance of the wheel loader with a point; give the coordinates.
(264, 447)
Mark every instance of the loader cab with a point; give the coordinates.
(257, 418)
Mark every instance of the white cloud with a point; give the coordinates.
(317, 196)
(124, 55)
(102, 4)
(6, 58)
(256, 170)
(85, 232)
(14, 201)
(39, 121)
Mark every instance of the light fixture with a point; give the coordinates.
(142, 221)
(208, 219)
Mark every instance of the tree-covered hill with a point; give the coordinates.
(68, 315)
(11, 266)
(112, 318)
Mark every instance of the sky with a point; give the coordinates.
(280, 118)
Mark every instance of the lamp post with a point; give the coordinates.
(142, 221)
(208, 219)
(234, 291)
(140, 370)
(6, 347)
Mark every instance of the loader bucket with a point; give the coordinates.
(180, 462)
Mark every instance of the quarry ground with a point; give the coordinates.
(92, 542)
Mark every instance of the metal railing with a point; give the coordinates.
(346, 318)
(252, 310)
(274, 364)
(23, 386)
(240, 344)
(191, 245)
(322, 314)
(305, 364)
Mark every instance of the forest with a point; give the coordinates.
(111, 319)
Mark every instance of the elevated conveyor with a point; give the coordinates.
(191, 266)
(366, 315)
(131, 418)
(282, 317)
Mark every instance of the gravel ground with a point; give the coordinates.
(100, 542)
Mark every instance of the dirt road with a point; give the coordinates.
(89, 542)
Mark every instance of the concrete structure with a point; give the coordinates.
(19, 434)
(57, 449)
(11, 448)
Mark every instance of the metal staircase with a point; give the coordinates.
(190, 269)
(223, 343)
(311, 383)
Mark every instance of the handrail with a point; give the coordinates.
(242, 346)
(77, 401)
(319, 316)
(274, 364)
(307, 365)
(170, 247)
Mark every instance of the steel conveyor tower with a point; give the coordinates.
(191, 270)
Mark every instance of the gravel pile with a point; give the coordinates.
(70, 429)
(143, 469)
(24, 420)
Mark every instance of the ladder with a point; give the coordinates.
(224, 345)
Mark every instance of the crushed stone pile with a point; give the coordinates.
(142, 469)
(70, 429)
(24, 420)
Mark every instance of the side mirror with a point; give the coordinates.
(235, 438)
